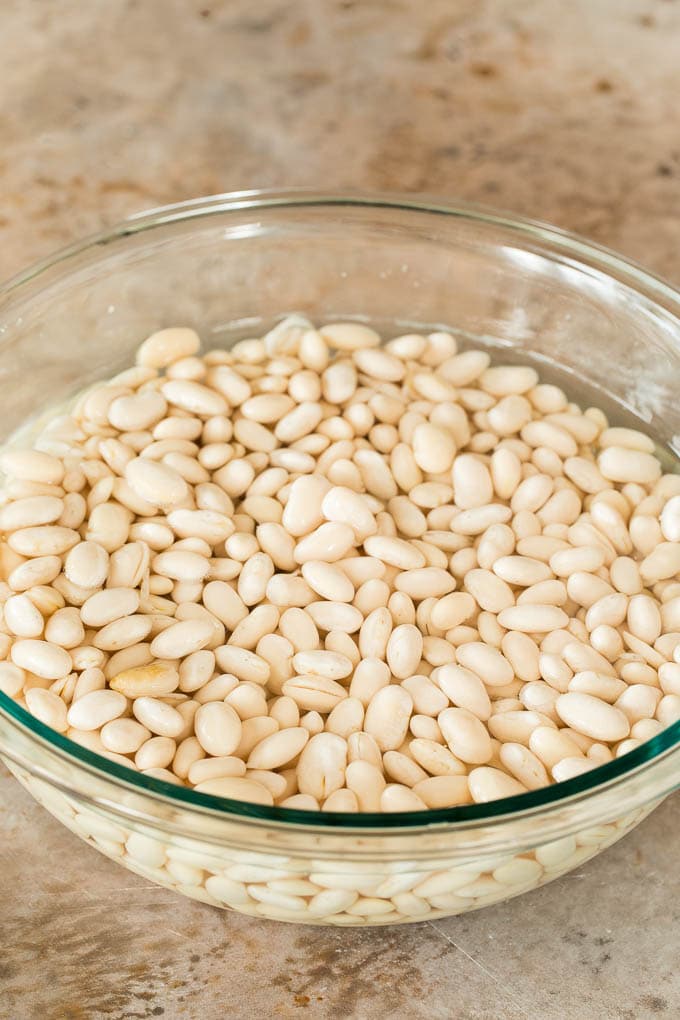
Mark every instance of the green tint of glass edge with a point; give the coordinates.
(519, 805)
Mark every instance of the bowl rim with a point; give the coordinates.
(573, 246)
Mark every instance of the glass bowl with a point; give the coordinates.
(231, 266)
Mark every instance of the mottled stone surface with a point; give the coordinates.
(564, 111)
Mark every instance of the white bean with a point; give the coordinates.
(487, 783)
(167, 345)
(622, 464)
(472, 483)
(387, 717)
(464, 689)
(22, 617)
(591, 716)
(155, 482)
(321, 767)
(218, 728)
(48, 708)
(95, 709)
(42, 658)
(466, 735)
(487, 662)
(45, 540)
(161, 719)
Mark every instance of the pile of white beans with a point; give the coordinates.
(325, 572)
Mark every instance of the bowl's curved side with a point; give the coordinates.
(306, 889)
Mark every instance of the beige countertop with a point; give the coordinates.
(565, 112)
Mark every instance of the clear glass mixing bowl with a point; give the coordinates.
(230, 266)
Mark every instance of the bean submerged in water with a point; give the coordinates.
(325, 574)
